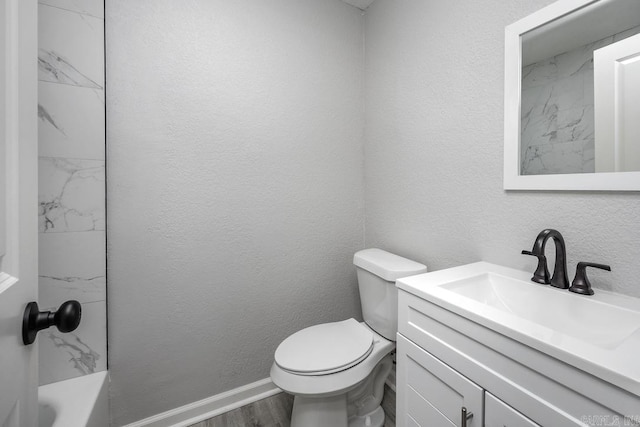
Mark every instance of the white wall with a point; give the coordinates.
(235, 189)
(433, 153)
(235, 175)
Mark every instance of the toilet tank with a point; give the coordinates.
(378, 271)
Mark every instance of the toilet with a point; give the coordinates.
(336, 371)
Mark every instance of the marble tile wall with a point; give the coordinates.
(557, 111)
(71, 133)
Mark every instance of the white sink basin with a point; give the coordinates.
(599, 334)
(582, 317)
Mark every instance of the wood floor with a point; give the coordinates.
(275, 411)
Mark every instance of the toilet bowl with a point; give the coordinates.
(338, 380)
(337, 371)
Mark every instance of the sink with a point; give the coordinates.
(599, 334)
(596, 322)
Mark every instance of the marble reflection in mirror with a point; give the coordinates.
(558, 126)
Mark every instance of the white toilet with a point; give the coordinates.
(336, 371)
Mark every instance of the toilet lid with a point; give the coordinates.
(325, 348)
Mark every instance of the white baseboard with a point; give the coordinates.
(211, 406)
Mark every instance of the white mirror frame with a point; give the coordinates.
(601, 181)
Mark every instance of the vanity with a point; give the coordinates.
(482, 345)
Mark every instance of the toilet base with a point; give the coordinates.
(314, 411)
(357, 407)
(331, 412)
(373, 419)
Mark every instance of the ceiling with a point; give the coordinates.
(360, 4)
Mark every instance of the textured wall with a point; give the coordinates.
(234, 188)
(71, 184)
(434, 142)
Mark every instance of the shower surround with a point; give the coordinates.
(71, 137)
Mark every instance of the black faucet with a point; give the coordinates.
(541, 275)
(581, 284)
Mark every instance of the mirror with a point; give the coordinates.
(572, 97)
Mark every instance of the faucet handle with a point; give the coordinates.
(541, 275)
(581, 284)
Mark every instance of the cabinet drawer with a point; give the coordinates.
(433, 394)
(499, 414)
(523, 378)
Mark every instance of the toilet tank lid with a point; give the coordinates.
(386, 265)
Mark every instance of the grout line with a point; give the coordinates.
(69, 84)
(70, 231)
(71, 10)
(71, 158)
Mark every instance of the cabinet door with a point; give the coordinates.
(499, 414)
(431, 394)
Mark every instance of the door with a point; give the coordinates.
(616, 93)
(431, 394)
(18, 208)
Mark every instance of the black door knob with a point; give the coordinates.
(66, 319)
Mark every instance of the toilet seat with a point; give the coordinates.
(325, 349)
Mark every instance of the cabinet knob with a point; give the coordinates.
(465, 416)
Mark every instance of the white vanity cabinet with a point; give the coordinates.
(431, 393)
(446, 362)
(499, 414)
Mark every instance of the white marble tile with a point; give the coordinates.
(71, 121)
(575, 61)
(569, 92)
(537, 101)
(575, 124)
(71, 48)
(539, 74)
(542, 103)
(88, 7)
(71, 191)
(555, 158)
(540, 130)
(81, 352)
(71, 266)
(589, 88)
(71, 195)
(557, 113)
(539, 121)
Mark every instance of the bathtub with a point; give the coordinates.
(78, 402)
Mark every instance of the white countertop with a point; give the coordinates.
(598, 334)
